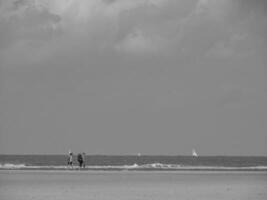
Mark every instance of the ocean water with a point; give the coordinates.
(130, 162)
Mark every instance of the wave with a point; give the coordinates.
(152, 166)
(12, 166)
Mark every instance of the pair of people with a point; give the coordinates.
(80, 159)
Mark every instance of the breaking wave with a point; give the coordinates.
(12, 166)
(145, 167)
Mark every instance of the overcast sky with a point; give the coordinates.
(133, 76)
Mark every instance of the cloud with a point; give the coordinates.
(256, 5)
(181, 28)
(22, 20)
(242, 25)
(137, 42)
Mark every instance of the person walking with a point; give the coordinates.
(80, 160)
(70, 159)
(84, 160)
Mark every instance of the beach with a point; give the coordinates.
(118, 185)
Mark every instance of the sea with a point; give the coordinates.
(135, 162)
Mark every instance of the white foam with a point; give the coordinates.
(12, 166)
(152, 166)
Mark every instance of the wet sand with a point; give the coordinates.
(98, 185)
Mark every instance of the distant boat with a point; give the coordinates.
(194, 153)
(139, 154)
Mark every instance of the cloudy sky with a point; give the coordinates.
(130, 76)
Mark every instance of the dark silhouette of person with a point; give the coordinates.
(80, 160)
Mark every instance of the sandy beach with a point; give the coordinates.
(69, 185)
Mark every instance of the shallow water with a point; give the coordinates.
(104, 162)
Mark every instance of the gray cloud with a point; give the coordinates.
(22, 21)
(162, 27)
(257, 5)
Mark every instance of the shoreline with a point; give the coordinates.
(134, 169)
(183, 172)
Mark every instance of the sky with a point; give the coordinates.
(133, 76)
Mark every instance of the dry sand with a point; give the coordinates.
(75, 185)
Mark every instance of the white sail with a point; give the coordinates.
(194, 153)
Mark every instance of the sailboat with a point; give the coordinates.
(194, 153)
